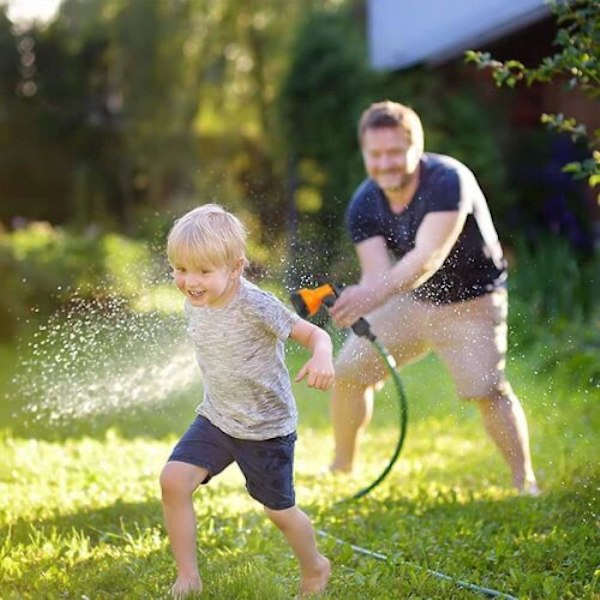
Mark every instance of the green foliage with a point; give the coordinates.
(143, 106)
(320, 101)
(43, 268)
(577, 61)
(555, 310)
(128, 265)
(323, 59)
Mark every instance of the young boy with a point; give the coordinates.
(248, 414)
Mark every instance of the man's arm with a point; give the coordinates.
(374, 259)
(435, 238)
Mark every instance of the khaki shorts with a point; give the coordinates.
(469, 337)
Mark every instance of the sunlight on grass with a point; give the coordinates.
(80, 512)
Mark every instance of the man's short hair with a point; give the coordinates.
(392, 114)
(207, 236)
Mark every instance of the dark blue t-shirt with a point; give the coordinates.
(474, 266)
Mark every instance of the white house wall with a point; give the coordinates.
(406, 32)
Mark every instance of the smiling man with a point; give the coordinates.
(433, 278)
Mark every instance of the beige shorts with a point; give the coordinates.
(469, 337)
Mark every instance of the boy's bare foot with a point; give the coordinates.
(183, 588)
(316, 581)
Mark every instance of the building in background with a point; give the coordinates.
(403, 34)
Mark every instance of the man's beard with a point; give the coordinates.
(405, 181)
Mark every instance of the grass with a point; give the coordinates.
(80, 514)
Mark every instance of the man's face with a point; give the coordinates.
(390, 158)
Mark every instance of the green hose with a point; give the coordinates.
(402, 416)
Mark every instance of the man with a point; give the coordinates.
(432, 279)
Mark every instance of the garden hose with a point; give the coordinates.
(402, 419)
(307, 302)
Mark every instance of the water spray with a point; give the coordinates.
(307, 303)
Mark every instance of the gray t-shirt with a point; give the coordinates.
(240, 352)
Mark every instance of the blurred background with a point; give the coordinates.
(118, 115)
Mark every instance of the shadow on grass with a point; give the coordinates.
(121, 551)
(108, 524)
(530, 547)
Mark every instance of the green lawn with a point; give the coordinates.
(80, 515)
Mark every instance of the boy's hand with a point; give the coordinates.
(319, 373)
(318, 370)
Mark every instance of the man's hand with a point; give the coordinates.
(354, 302)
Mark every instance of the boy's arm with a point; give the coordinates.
(318, 370)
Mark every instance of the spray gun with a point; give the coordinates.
(307, 303)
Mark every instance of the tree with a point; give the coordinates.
(577, 61)
(322, 94)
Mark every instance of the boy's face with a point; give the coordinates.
(207, 286)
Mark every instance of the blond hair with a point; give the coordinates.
(207, 236)
(392, 114)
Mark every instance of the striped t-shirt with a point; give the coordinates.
(240, 352)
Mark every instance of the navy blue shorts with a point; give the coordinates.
(267, 465)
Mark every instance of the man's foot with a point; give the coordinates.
(338, 468)
(315, 582)
(184, 588)
(530, 488)
(332, 472)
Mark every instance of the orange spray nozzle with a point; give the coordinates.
(308, 302)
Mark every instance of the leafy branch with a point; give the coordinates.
(577, 62)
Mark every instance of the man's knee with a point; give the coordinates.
(502, 393)
(357, 376)
(348, 383)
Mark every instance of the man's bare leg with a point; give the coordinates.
(351, 412)
(506, 424)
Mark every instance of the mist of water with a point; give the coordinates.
(99, 357)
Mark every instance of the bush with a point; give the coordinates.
(43, 267)
(555, 310)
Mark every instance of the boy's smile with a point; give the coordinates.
(207, 286)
